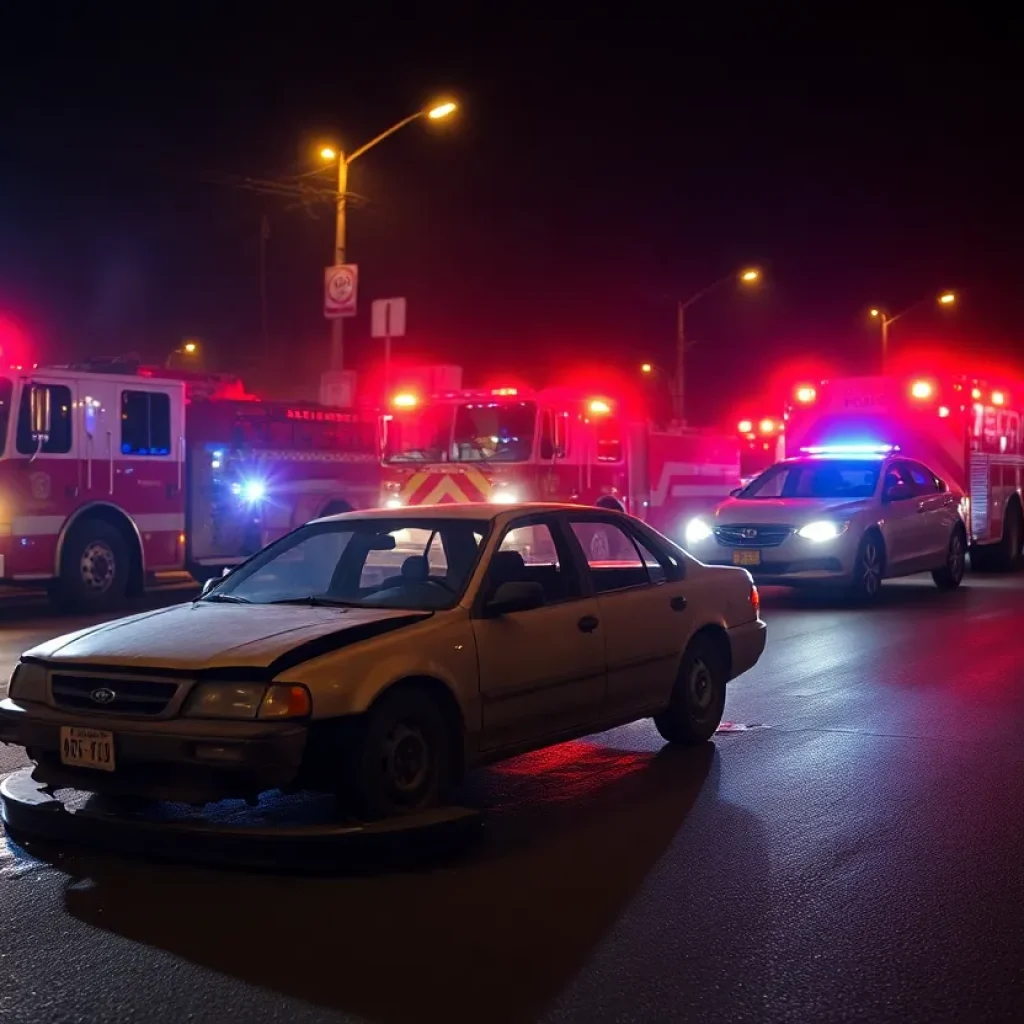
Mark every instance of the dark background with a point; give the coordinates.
(600, 167)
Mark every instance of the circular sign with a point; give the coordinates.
(341, 286)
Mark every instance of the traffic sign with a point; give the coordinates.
(340, 287)
(387, 318)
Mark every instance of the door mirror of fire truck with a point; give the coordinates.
(42, 419)
(897, 492)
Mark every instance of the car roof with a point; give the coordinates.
(463, 510)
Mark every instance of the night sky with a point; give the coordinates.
(599, 169)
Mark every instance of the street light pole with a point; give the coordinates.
(679, 383)
(338, 324)
(435, 113)
(886, 321)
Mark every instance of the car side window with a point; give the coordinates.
(531, 554)
(612, 555)
(898, 474)
(925, 482)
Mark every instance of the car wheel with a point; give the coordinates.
(866, 584)
(951, 574)
(400, 760)
(94, 569)
(697, 703)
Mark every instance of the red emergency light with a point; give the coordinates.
(767, 426)
(745, 426)
(599, 407)
(805, 394)
(998, 398)
(405, 401)
(504, 392)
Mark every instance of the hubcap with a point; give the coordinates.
(701, 685)
(871, 574)
(406, 759)
(98, 567)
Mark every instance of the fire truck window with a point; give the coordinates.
(145, 423)
(58, 441)
(494, 431)
(615, 563)
(6, 396)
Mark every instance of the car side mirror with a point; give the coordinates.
(515, 597)
(897, 492)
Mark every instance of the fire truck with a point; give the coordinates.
(510, 444)
(967, 430)
(112, 472)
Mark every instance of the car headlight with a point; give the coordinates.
(821, 530)
(248, 701)
(696, 531)
(28, 682)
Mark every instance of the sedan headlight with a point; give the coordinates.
(28, 682)
(822, 530)
(248, 701)
(696, 531)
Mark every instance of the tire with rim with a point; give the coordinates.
(399, 760)
(951, 574)
(697, 703)
(95, 567)
(866, 584)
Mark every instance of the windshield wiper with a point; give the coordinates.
(317, 602)
(226, 599)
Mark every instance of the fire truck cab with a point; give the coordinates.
(968, 430)
(513, 444)
(107, 477)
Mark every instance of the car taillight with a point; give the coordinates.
(755, 600)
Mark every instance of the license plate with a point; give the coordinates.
(746, 558)
(87, 748)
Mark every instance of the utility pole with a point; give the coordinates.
(337, 324)
(679, 391)
(264, 237)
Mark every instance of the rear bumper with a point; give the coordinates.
(188, 760)
(747, 644)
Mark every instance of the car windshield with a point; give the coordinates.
(816, 478)
(483, 431)
(416, 564)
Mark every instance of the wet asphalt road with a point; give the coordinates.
(860, 857)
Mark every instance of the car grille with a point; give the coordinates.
(752, 535)
(142, 697)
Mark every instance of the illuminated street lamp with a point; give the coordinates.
(188, 348)
(944, 299)
(332, 154)
(748, 276)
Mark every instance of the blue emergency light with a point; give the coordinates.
(850, 449)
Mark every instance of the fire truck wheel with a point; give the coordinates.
(697, 703)
(951, 574)
(869, 568)
(399, 760)
(95, 567)
(1010, 546)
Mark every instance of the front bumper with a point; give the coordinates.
(747, 643)
(187, 760)
(796, 560)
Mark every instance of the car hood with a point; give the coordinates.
(205, 637)
(788, 511)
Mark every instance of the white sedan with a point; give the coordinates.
(381, 654)
(839, 517)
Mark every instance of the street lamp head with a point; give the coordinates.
(947, 299)
(750, 276)
(441, 110)
(328, 153)
(191, 347)
(646, 368)
(876, 312)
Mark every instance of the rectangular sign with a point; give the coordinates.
(340, 287)
(387, 318)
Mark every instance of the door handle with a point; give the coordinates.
(588, 623)
(678, 604)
